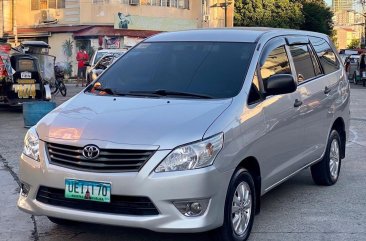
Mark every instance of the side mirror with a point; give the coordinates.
(280, 84)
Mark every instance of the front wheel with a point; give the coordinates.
(326, 172)
(54, 88)
(62, 88)
(239, 208)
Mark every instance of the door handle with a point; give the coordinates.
(327, 90)
(297, 103)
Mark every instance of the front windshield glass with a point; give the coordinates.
(98, 56)
(211, 69)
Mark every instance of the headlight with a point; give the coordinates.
(31, 144)
(192, 156)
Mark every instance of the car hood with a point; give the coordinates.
(161, 122)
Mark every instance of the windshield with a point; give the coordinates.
(98, 56)
(213, 69)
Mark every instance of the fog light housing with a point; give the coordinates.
(25, 188)
(192, 208)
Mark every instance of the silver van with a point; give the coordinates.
(187, 130)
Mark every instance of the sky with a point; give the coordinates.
(329, 2)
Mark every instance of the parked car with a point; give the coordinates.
(96, 57)
(356, 69)
(352, 64)
(102, 65)
(186, 131)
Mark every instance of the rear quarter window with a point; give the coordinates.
(327, 57)
(26, 65)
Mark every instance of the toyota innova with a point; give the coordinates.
(187, 130)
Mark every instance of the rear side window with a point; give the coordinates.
(276, 63)
(303, 63)
(26, 65)
(327, 57)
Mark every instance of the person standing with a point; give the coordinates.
(82, 57)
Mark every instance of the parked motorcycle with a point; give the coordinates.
(59, 84)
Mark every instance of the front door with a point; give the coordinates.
(282, 142)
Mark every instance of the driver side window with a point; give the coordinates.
(276, 63)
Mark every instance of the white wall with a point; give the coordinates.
(56, 41)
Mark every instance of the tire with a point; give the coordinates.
(62, 88)
(63, 222)
(54, 89)
(326, 172)
(228, 232)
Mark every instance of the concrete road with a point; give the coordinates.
(296, 210)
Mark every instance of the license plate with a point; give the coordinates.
(86, 190)
(25, 91)
(25, 75)
(26, 81)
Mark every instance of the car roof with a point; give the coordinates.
(236, 34)
(111, 50)
(35, 44)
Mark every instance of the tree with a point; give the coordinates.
(354, 44)
(268, 13)
(318, 17)
(312, 15)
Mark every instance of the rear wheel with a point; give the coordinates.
(326, 172)
(239, 209)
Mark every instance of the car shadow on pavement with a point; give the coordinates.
(87, 231)
(11, 109)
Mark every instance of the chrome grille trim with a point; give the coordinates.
(109, 160)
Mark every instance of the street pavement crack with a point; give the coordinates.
(8, 168)
(35, 229)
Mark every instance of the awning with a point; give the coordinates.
(46, 31)
(111, 31)
(82, 31)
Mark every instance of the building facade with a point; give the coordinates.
(107, 23)
(349, 24)
(339, 5)
(344, 36)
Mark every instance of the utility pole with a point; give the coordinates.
(2, 19)
(363, 3)
(225, 6)
(225, 13)
(15, 27)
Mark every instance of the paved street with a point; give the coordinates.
(296, 210)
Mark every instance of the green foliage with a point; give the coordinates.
(318, 17)
(312, 15)
(68, 69)
(90, 50)
(67, 47)
(354, 44)
(268, 13)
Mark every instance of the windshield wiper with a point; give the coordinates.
(106, 90)
(170, 93)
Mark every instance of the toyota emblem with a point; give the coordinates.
(91, 152)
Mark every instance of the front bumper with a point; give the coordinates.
(161, 188)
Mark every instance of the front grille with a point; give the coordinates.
(127, 205)
(109, 160)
